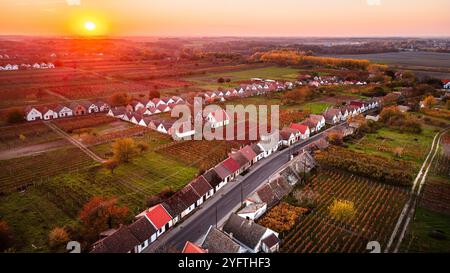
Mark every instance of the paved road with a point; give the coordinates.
(217, 209)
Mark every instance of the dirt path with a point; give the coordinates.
(32, 149)
(75, 142)
(56, 95)
(409, 209)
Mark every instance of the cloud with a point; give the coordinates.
(374, 2)
(73, 2)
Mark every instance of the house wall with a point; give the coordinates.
(188, 210)
(34, 115)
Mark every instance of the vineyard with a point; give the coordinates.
(201, 154)
(97, 90)
(19, 173)
(74, 123)
(436, 192)
(25, 134)
(376, 167)
(57, 200)
(377, 209)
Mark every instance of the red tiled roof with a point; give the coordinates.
(158, 216)
(231, 165)
(192, 248)
(302, 128)
(357, 103)
(248, 152)
(162, 107)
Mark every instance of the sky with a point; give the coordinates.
(226, 17)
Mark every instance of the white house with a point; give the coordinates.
(102, 106)
(63, 111)
(92, 108)
(48, 114)
(303, 129)
(288, 136)
(270, 143)
(446, 84)
(344, 114)
(250, 235)
(163, 108)
(203, 189)
(319, 119)
(31, 114)
(218, 118)
(253, 211)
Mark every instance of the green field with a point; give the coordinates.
(316, 107)
(418, 238)
(383, 143)
(209, 81)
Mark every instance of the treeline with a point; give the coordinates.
(370, 166)
(290, 57)
(396, 119)
(347, 49)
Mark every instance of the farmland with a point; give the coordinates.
(207, 153)
(209, 81)
(384, 141)
(65, 183)
(430, 228)
(377, 209)
(423, 63)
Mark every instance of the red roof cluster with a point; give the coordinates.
(302, 128)
(231, 165)
(158, 216)
(192, 248)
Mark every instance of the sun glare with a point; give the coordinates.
(90, 26)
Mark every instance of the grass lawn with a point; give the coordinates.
(316, 107)
(31, 216)
(209, 81)
(415, 146)
(152, 138)
(419, 239)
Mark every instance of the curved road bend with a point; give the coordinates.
(227, 199)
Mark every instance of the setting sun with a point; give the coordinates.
(90, 26)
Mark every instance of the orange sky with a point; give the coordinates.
(228, 17)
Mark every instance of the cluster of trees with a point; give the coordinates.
(377, 91)
(297, 95)
(282, 217)
(6, 236)
(342, 210)
(336, 138)
(290, 57)
(15, 115)
(124, 150)
(371, 166)
(404, 122)
(222, 80)
(100, 214)
(122, 98)
(429, 102)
